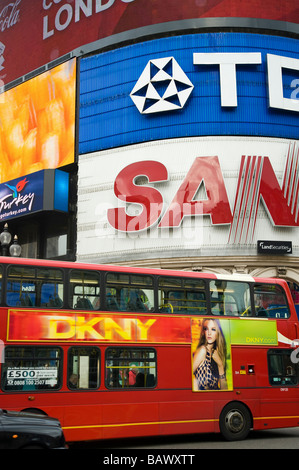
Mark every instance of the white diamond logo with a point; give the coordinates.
(162, 86)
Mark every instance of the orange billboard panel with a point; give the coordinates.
(37, 123)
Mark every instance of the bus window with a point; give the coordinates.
(230, 298)
(50, 290)
(31, 368)
(130, 367)
(282, 371)
(84, 290)
(84, 368)
(129, 292)
(270, 301)
(30, 287)
(182, 296)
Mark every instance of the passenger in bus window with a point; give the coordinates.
(137, 301)
(221, 307)
(54, 301)
(259, 306)
(73, 381)
(140, 380)
(96, 303)
(209, 361)
(217, 306)
(132, 376)
(111, 302)
(277, 307)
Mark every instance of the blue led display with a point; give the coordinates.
(61, 191)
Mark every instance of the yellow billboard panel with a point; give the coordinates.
(37, 123)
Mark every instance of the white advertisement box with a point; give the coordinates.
(186, 197)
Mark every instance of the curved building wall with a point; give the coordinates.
(192, 142)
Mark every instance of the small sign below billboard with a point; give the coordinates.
(274, 247)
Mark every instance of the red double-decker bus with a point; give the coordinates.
(119, 352)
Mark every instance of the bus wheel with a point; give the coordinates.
(235, 422)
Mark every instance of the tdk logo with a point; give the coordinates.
(164, 86)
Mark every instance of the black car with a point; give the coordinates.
(20, 430)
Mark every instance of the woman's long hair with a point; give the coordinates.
(220, 342)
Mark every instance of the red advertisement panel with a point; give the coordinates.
(26, 325)
(35, 32)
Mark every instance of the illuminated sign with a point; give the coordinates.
(47, 325)
(274, 247)
(44, 190)
(257, 182)
(72, 24)
(196, 194)
(101, 327)
(176, 87)
(243, 84)
(38, 123)
(228, 62)
(162, 86)
(66, 13)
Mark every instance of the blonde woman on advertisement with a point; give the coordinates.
(209, 361)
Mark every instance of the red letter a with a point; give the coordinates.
(208, 171)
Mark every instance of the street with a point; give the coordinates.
(286, 438)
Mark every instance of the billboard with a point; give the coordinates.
(211, 348)
(225, 192)
(210, 339)
(43, 190)
(37, 118)
(51, 325)
(45, 30)
(205, 84)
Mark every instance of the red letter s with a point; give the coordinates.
(150, 199)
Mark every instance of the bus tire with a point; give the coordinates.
(235, 421)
